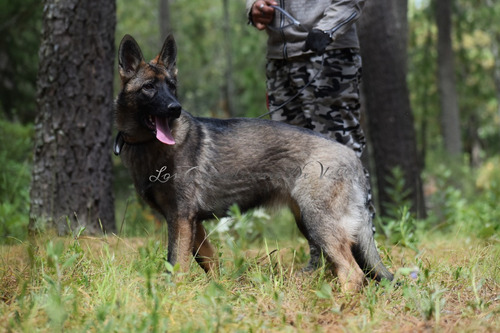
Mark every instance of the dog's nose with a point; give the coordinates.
(175, 109)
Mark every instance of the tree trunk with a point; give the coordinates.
(227, 86)
(390, 119)
(72, 163)
(495, 49)
(450, 117)
(164, 18)
(400, 13)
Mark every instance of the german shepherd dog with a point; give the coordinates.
(190, 169)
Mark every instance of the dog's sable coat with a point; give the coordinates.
(190, 169)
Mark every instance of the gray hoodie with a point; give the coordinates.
(335, 16)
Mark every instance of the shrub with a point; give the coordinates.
(15, 177)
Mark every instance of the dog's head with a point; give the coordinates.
(147, 104)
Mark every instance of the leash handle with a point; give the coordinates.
(287, 14)
(292, 19)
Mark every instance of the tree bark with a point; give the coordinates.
(387, 104)
(400, 13)
(72, 179)
(227, 86)
(495, 49)
(164, 18)
(450, 116)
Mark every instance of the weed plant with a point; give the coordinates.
(15, 176)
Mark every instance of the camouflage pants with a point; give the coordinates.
(329, 104)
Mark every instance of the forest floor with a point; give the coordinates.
(112, 284)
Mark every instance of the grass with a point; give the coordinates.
(112, 284)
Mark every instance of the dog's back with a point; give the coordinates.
(265, 161)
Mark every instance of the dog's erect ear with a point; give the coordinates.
(129, 57)
(168, 55)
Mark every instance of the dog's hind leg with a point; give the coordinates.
(350, 275)
(204, 251)
(334, 241)
(314, 250)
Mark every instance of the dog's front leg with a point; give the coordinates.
(204, 251)
(180, 242)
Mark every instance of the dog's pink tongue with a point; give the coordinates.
(163, 131)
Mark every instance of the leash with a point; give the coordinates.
(292, 19)
(294, 22)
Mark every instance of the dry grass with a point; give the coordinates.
(111, 284)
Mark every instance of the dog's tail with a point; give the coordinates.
(366, 255)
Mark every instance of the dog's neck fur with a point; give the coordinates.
(151, 154)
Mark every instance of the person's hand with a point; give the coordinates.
(317, 41)
(262, 14)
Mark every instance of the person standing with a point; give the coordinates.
(313, 69)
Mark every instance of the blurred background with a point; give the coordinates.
(221, 63)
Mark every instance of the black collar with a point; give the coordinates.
(122, 138)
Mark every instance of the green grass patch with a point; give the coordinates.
(109, 284)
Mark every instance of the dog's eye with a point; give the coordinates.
(148, 87)
(171, 84)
